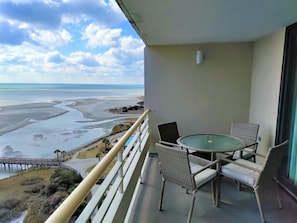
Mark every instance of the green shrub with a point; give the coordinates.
(9, 204)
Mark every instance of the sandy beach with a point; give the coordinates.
(67, 125)
(17, 116)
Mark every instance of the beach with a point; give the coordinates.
(92, 109)
(36, 130)
(17, 116)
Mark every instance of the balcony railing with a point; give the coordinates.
(111, 200)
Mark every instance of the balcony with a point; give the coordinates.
(235, 206)
(131, 191)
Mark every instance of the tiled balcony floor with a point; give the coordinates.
(236, 206)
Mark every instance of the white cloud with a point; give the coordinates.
(51, 39)
(67, 41)
(54, 57)
(97, 36)
(83, 59)
(132, 46)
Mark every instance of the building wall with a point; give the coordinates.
(200, 98)
(266, 76)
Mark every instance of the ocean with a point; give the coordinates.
(51, 122)
(12, 94)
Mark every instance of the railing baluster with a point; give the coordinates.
(120, 172)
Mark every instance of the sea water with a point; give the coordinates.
(12, 94)
(64, 132)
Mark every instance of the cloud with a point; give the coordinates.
(83, 58)
(127, 51)
(89, 62)
(51, 39)
(100, 36)
(49, 14)
(41, 14)
(43, 22)
(68, 41)
(11, 34)
(100, 11)
(54, 57)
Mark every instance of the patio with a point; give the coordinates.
(235, 206)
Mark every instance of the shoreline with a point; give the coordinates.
(95, 142)
(14, 117)
(41, 127)
(18, 116)
(113, 111)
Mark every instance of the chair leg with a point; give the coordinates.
(191, 207)
(213, 191)
(259, 204)
(278, 196)
(218, 191)
(162, 193)
(237, 184)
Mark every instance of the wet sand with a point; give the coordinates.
(17, 116)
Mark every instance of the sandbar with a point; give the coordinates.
(16, 116)
(97, 109)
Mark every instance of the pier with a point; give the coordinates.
(38, 162)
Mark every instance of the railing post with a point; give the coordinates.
(139, 137)
(139, 148)
(120, 172)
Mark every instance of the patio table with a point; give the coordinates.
(211, 143)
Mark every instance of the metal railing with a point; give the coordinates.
(111, 200)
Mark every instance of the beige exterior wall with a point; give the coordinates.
(266, 76)
(201, 98)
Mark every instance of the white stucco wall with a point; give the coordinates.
(266, 76)
(201, 98)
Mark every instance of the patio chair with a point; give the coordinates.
(248, 132)
(168, 132)
(187, 171)
(258, 176)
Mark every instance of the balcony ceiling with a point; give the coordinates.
(170, 22)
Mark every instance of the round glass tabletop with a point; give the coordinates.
(211, 143)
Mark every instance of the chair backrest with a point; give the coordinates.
(175, 166)
(272, 163)
(168, 132)
(248, 132)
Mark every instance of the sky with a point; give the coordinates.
(68, 41)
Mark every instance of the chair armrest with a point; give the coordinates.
(198, 160)
(206, 167)
(253, 144)
(174, 145)
(242, 165)
(253, 153)
(168, 143)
